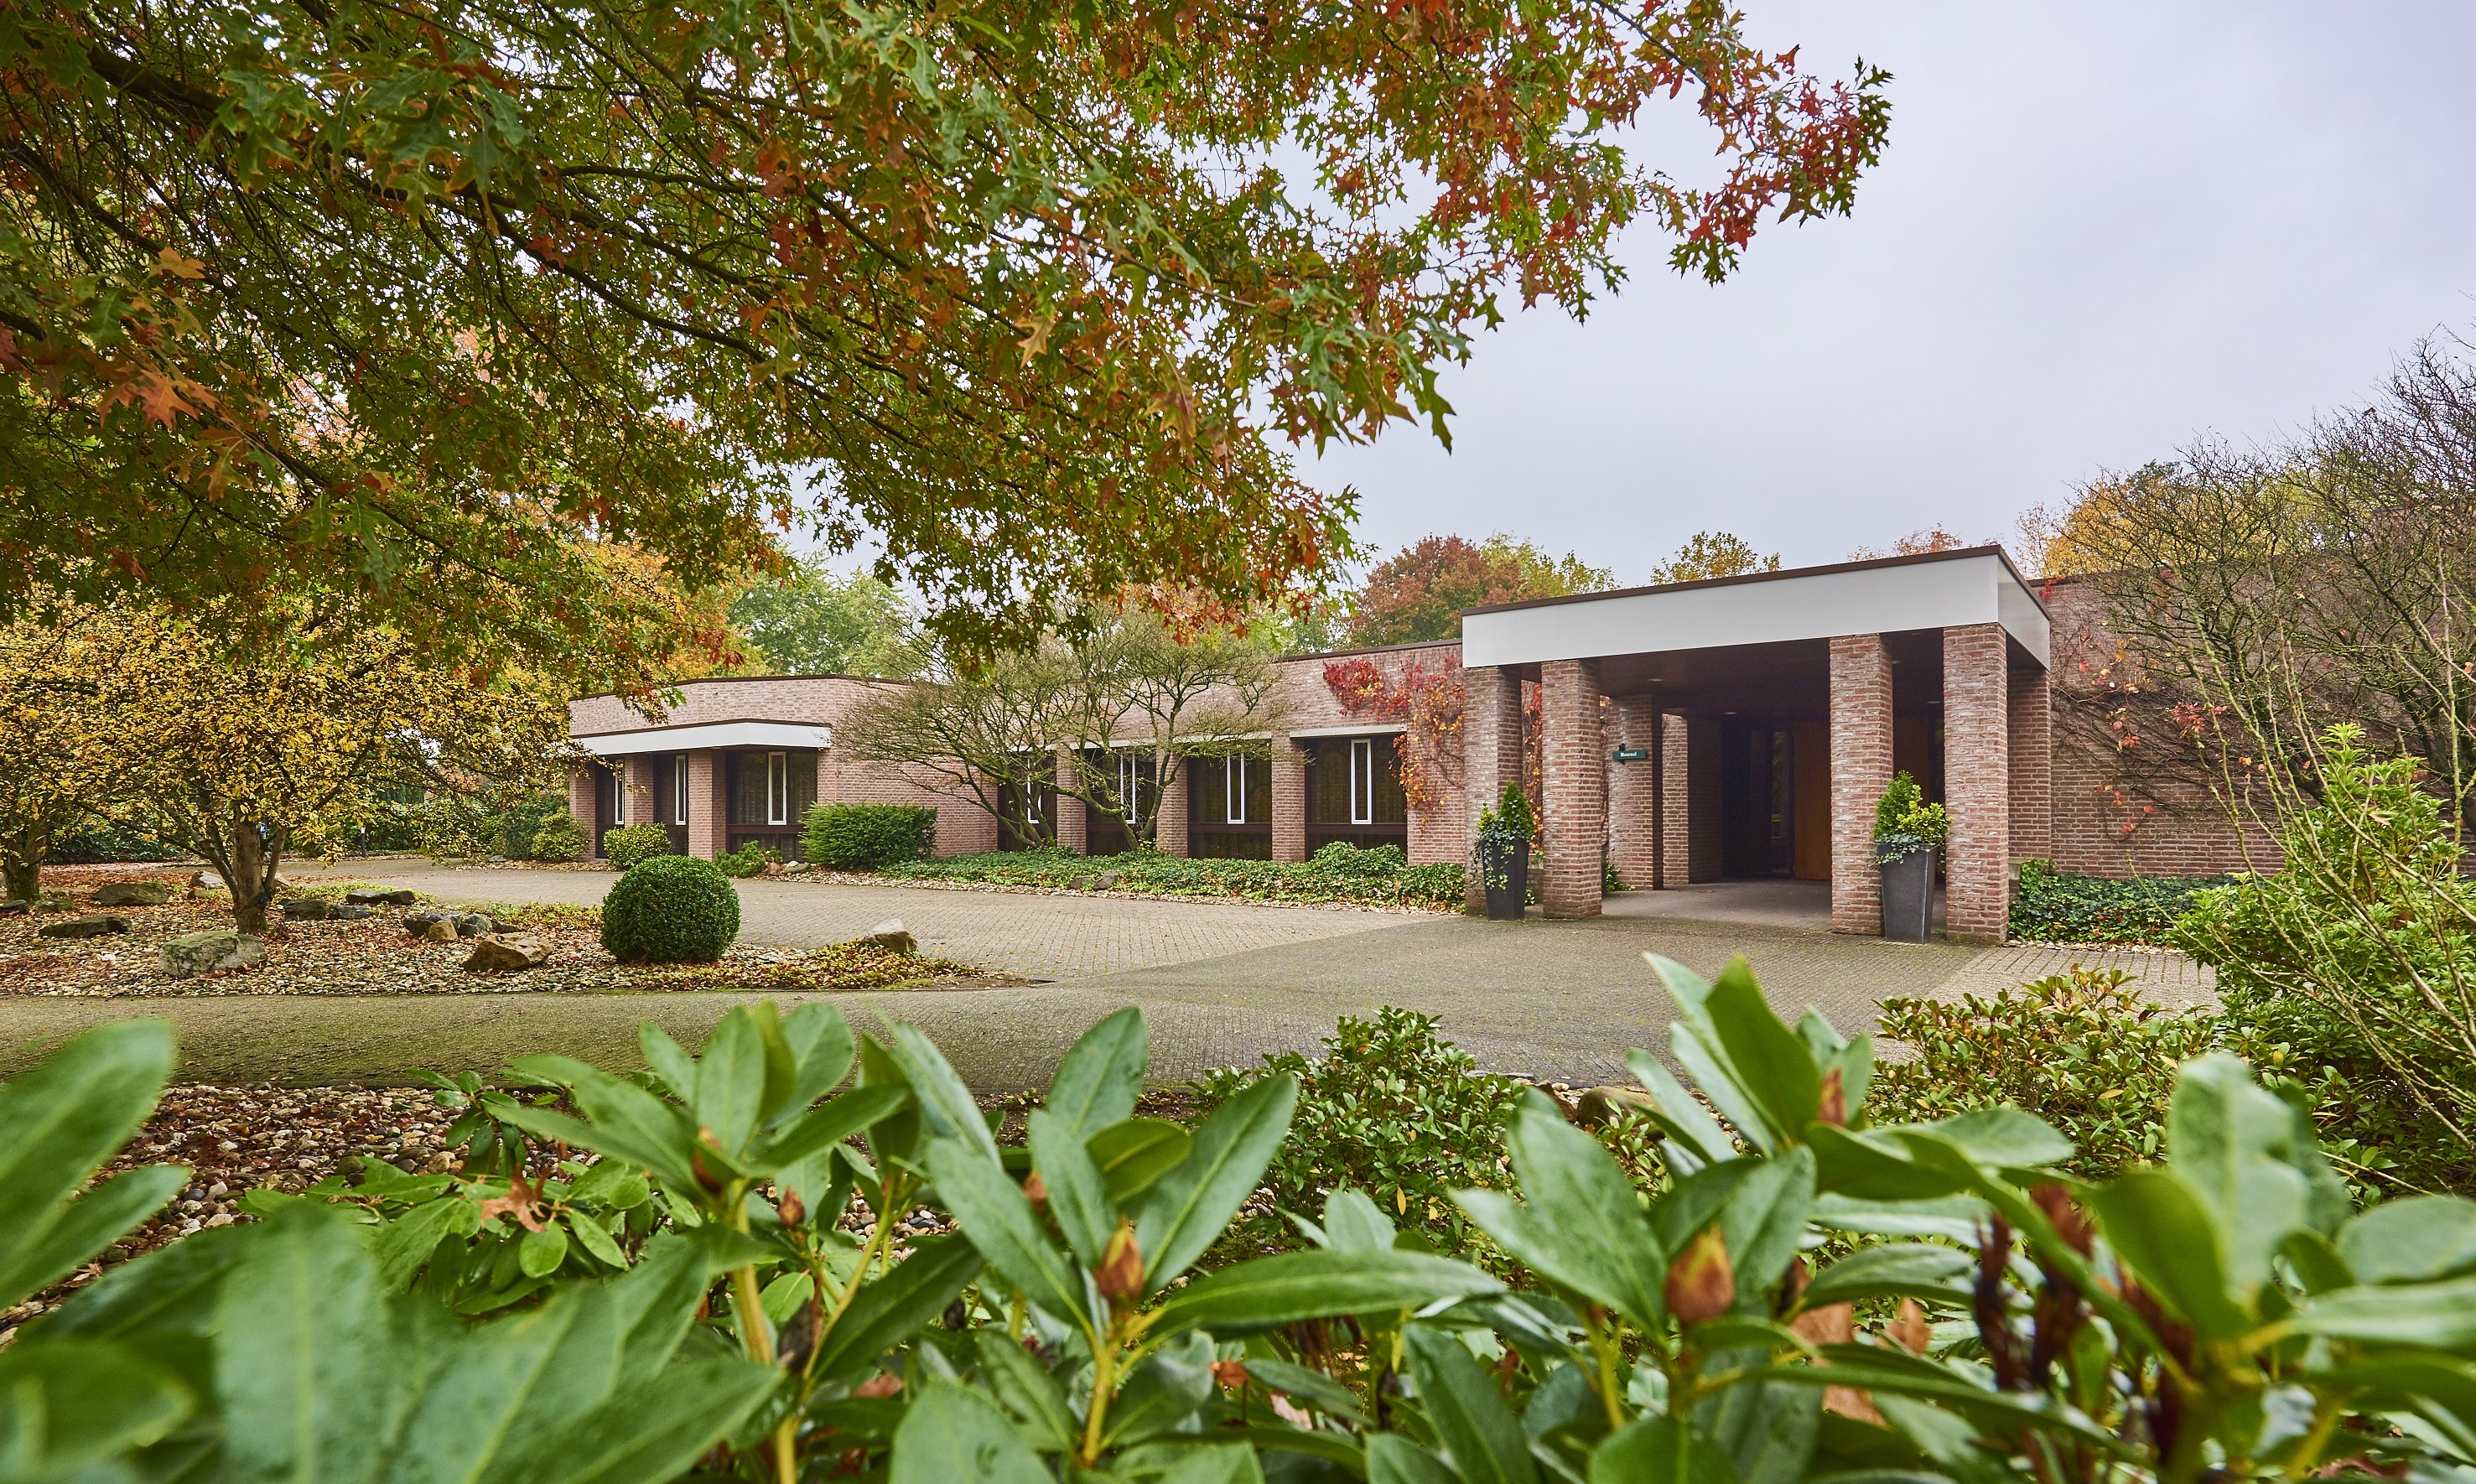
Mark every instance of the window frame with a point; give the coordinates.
(1233, 790)
(679, 788)
(618, 797)
(777, 788)
(1362, 780)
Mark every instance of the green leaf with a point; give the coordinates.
(1477, 1427)
(2165, 1234)
(946, 1104)
(829, 1124)
(2003, 1138)
(1079, 1196)
(1765, 1431)
(1002, 1225)
(1171, 1385)
(953, 1434)
(898, 1305)
(654, 1431)
(1223, 1463)
(1269, 1291)
(540, 1252)
(1874, 1165)
(673, 1065)
(86, 1226)
(304, 1361)
(59, 1123)
(164, 1303)
(1658, 1449)
(404, 1245)
(1394, 1459)
(1579, 1224)
(822, 1046)
(71, 1404)
(2439, 1315)
(1355, 1224)
(2239, 1149)
(1185, 1210)
(1102, 1075)
(2411, 1241)
(1770, 1061)
(1681, 1115)
(627, 1121)
(1765, 1219)
(897, 1137)
(1134, 1153)
(730, 1077)
(1031, 1394)
(1911, 1269)
(1300, 1383)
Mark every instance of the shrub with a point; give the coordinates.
(2052, 907)
(1391, 1109)
(750, 860)
(96, 839)
(1905, 823)
(520, 826)
(631, 847)
(560, 838)
(1340, 872)
(670, 909)
(868, 837)
(2087, 1052)
(2359, 958)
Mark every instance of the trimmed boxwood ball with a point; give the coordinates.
(672, 909)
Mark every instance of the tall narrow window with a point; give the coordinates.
(680, 789)
(1362, 782)
(1127, 777)
(618, 799)
(1233, 789)
(777, 788)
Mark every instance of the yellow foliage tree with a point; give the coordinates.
(54, 763)
(246, 755)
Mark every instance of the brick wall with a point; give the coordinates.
(1573, 787)
(582, 805)
(1976, 784)
(1861, 769)
(2032, 764)
(1073, 815)
(1289, 800)
(1492, 736)
(1677, 809)
(1169, 828)
(708, 812)
(1631, 843)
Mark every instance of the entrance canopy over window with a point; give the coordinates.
(705, 734)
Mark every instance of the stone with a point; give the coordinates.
(437, 929)
(1598, 1106)
(12, 907)
(475, 924)
(501, 952)
(305, 909)
(379, 896)
(133, 894)
(1085, 883)
(1108, 880)
(50, 903)
(194, 953)
(94, 927)
(199, 880)
(893, 937)
(348, 912)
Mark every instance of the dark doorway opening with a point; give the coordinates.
(1757, 797)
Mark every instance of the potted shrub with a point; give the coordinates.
(1504, 854)
(1909, 833)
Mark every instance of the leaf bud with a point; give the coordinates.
(1832, 1109)
(794, 1211)
(1700, 1283)
(1120, 1278)
(1036, 1191)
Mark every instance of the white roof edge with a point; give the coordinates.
(711, 734)
(1368, 729)
(1822, 605)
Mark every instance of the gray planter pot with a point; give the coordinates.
(1908, 897)
(1504, 863)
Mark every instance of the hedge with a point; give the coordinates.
(671, 909)
(1340, 872)
(2053, 907)
(868, 837)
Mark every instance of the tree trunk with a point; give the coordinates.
(21, 862)
(248, 871)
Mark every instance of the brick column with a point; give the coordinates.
(1573, 776)
(1976, 784)
(642, 806)
(2033, 765)
(1170, 831)
(582, 805)
(709, 830)
(1861, 769)
(1290, 799)
(1491, 757)
(1073, 815)
(1631, 843)
(1676, 807)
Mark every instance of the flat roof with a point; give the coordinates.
(694, 736)
(1974, 585)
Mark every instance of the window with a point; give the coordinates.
(618, 799)
(680, 789)
(1130, 778)
(1233, 790)
(1362, 782)
(777, 788)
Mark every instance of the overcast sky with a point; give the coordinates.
(2099, 230)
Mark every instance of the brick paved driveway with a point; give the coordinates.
(1221, 984)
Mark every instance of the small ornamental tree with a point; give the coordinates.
(1138, 687)
(56, 761)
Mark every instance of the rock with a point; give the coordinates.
(379, 896)
(437, 929)
(133, 894)
(44, 905)
(1598, 1106)
(1084, 883)
(1108, 880)
(893, 937)
(12, 907)
(94, 927)
(501, 953)
(476, 924)
(194, 953)
(199, 880)
(349, 912)
(305, 909)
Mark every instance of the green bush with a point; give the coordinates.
(2052, 907)
(2084, 1048)
(670, 909)
(868, 837)
(519, 827)
(1391, 1109)
(1340, 872)
(750, 860)
(557, 838)
(631, 847)
(95, 839)
(1905, 823)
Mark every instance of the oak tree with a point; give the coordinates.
(1418, 592)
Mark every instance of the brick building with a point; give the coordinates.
(1700, 731)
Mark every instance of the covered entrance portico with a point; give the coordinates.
(1745, 728)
